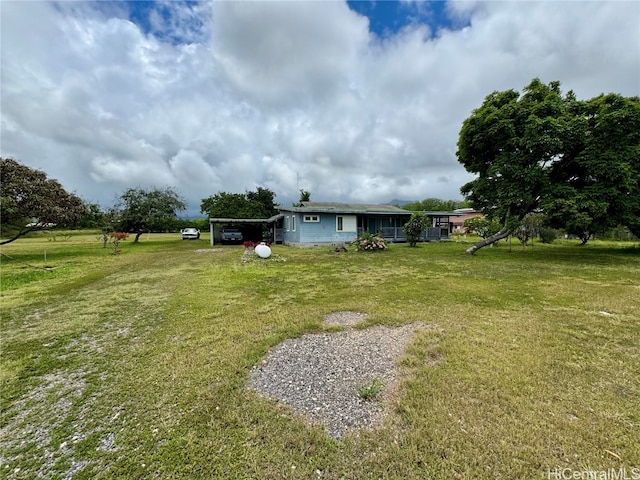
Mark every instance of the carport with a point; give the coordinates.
(274, 225)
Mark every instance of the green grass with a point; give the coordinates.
(371, 391)
(134, 365)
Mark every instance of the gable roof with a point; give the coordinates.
(334, 207)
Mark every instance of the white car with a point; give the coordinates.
(190, 233)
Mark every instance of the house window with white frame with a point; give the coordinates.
(346, 223)
(286, 223)
(311, 218)
(293, 223)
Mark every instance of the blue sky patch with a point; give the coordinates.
(172, 21)
(387, 18)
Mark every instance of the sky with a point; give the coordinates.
(351, 101)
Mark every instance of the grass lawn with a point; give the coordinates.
(134, 365)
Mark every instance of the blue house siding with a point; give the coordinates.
(322, 232)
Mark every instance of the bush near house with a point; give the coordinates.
(368, 242)
(414, 228)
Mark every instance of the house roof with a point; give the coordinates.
(245, 220)
(334, 207)
(440, 213)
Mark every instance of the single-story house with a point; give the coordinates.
(328, 223)
(312, 224)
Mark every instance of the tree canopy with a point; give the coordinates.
(258, 204)
(576, 161)
(435, 204)
(139, 210)
(599, 188)
(30, 201)
(305, 196)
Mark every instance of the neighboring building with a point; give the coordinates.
(462, 214)
(326, 223)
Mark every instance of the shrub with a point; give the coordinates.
(369, 242)
(414, 228)
(116, 238)
(547, 235)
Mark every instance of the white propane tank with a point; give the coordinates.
(263, 250)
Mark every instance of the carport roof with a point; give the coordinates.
(245, 220)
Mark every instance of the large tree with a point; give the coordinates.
(510, 143)
(30, 201)
(544, 151)
(258, 204)
(139, 210)
(265, 198)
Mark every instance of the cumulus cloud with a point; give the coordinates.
(227, 96)
(287, 54)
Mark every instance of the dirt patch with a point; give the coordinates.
(344, 319)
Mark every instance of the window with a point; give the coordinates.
(293, 223)
(311, 218)
(346, 223)
(286, 223)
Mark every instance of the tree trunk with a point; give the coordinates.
(488, 241)
(135, 240)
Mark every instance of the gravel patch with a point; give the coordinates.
(32, 420)
(318, 375)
